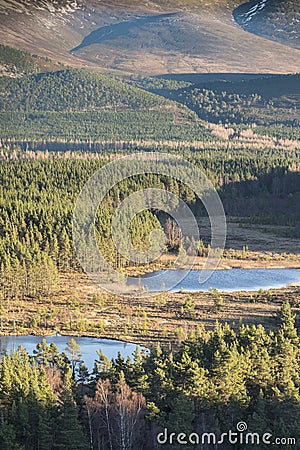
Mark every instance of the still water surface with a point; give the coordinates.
(224, 280)
(88, 346)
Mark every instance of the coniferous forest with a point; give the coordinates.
(212, 381)
(205, 371)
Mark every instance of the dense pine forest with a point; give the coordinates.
(212, 382)
(57, 127)
(16, 63)
(77, 105)
(38, 197)
(266, 101)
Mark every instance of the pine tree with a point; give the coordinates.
(8, 440)
(73, 349)
(190, 377)
(286, 321)
(136, 375)
(182, 413)
(69, 434)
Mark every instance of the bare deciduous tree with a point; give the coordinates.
(173, 233)
(114, 416)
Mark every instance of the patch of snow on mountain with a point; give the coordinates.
(253, 11)
(26, 6)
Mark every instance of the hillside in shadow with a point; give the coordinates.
(121, 30)
(275, 19)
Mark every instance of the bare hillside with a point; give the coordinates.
(142, 37)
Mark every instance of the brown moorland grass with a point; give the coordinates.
(79, 307)
(218, 44)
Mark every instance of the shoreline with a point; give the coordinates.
(68, 334)
(161, 319)
(79, 307)
(253, 260)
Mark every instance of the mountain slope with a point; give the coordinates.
(15, 63)
(73, 90)
(70, 107)
(277, 19)
(268, 100)
(174, 36)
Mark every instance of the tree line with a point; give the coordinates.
(37, 200)
(266, 101)
(214, 380)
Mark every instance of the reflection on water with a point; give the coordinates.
(224, 280)
(3, 344)
(88, 346)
